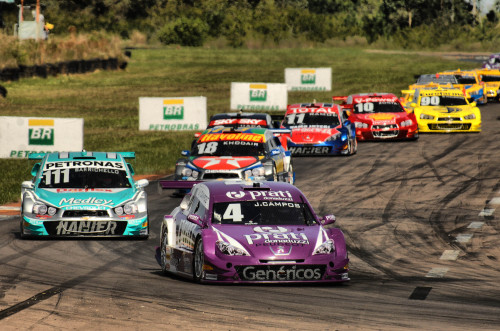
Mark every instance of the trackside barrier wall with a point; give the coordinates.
(60, 68)
(19, 136)
(172, 114)
(258, 96)
(308, 79)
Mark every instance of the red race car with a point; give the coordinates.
(379, 116)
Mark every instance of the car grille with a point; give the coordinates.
(85, 228)
(281, 272)
(224, 175)
(385, 131)
(449, 119)
(450, 126)
(85, 213)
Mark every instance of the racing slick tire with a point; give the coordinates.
(350, 148)
(198, 260)
(354, 147)
(163, 253)
(21, 231)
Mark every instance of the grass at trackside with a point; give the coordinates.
(108, 100)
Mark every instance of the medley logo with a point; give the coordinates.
(308, 76)
(41, 132)
(173, 109)
(258, 92)
(88, 201)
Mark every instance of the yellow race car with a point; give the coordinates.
(434, 80)
(470, 84)
(440, 109)
(491, 80)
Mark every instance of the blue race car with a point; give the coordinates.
(319, 129)
(76, 194)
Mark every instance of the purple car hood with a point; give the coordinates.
(282, 242)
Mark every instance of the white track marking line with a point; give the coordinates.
(450, 255)
(486, 212)
(463, 237)
(475, 225)
(437, 273)
(495, 201)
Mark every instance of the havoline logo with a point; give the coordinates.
(41, 132)
(258, 92)
(308, 76)
(173, 109)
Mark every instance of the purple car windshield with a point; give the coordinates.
(262, 213)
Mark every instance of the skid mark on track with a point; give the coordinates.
(429, 161)
(38, 323)
(21, 252)
(430, 164)
(31, 301)
(367, 177)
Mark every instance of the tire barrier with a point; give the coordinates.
(61, 68)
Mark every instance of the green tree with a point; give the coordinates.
(184, 31)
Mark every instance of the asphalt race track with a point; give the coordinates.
(421, 228)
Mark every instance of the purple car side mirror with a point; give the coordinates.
(193, 218)
(328, 219)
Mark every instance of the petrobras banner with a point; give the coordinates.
(20, 136)
(172, 114)
(308, 79)
(254, 97)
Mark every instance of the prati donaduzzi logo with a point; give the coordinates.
(308, 76)
(41, 132)
(173, 109)
(258, 92)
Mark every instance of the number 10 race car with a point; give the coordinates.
(244, 232)
(379, 116)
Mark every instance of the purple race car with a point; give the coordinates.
(244, 232)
